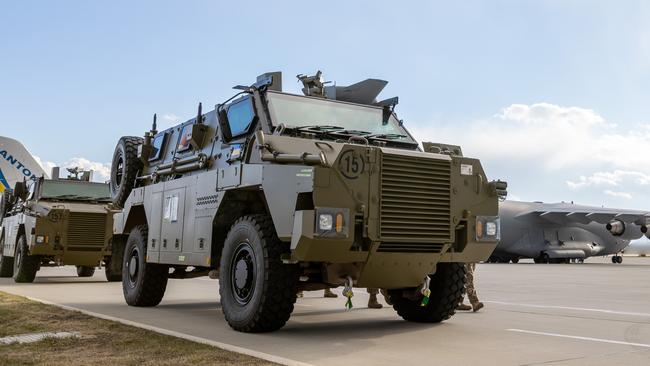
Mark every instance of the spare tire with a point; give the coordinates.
(124, 168)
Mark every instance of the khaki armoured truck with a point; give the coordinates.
(54, 222)
(282, 193)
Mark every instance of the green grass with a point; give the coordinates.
(102, 342)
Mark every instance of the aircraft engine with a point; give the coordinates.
(616, 227)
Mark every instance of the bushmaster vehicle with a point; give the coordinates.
(53, 222)
(282, 193)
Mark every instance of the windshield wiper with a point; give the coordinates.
(385, 136)
(319, 128)
(77, 197)
(354, 132)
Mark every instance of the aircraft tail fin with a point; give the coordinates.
(16, 164)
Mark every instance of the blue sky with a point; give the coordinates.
(552, 95)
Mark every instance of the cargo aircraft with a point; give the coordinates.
(565, 232)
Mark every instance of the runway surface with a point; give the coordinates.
(595, 313)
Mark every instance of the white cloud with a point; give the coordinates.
(625, 195)
(46, 165)
(549, 136)
(168, 120)
(101, 171)
(613, 178)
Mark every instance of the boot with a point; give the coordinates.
(373, 303)
(328, 293)
(462, 306)
(476, 307)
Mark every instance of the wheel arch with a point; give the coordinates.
(234, 204)
(136, 216)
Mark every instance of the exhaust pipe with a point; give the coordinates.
(616, 227)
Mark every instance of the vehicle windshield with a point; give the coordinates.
(75, 191)
(297, 111)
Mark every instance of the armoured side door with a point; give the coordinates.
(172, 222)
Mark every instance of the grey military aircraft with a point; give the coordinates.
(565, 232)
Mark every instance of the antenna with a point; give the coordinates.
(199, 116)
(153, 126)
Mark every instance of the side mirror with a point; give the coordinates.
(222, 117)
(20, 190)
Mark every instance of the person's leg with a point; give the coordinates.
(372, 301)
(471, 290)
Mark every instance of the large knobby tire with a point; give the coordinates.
(85, 271)
(25, 265)
(257, 290)
(143, 284)
(447, 288)
(124, 168)
(6, 263)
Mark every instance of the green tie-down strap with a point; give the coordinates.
(348, 294)
(425, 298)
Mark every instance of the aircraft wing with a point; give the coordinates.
(584, 215)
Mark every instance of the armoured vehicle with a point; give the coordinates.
(53, 222)
(282, 193)
(565, 232)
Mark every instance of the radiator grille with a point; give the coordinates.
(86, 229)
(415, 204)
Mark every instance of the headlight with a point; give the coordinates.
(41, 239)
(332, 222)
(325, 222)
(488, 228)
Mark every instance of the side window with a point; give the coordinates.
(158, 144)
(241, 115)
(185, 138)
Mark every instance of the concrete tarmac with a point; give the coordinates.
(596, 313)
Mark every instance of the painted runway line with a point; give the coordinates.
(569, 308)
(580, 338)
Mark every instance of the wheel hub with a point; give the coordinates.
(133, 264)
(243, 273)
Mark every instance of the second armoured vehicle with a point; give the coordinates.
(52, 222)
(282, 193)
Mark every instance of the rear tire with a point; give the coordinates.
(6, 263)
(257, 290)
(447, 288)
(143, 284)
(25, 265)
(124, 168)
(113, 264)
(85, 271)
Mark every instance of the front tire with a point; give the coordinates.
(6, 263)
(85, 271)
(143, 284)
(25, 265)
(257, 290)
(447, 288)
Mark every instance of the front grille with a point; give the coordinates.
(415, 211)
(86, 229)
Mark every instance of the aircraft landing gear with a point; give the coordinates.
(617, 259)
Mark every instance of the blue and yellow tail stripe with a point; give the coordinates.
(3, 182)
